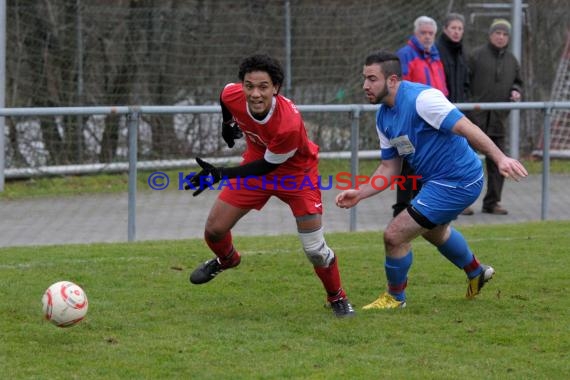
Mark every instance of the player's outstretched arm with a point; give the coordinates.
(210, 174)
(508, 167)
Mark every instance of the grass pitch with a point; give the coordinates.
(266, 320)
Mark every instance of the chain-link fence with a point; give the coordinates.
(150, 52)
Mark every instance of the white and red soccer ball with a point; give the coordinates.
(64, 304)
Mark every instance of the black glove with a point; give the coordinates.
(208, 176)
(231, 132)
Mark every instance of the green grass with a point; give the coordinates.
(266, 320)
(113, 183)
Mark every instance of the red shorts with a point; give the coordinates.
(301, 192)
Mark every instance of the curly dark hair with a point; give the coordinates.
(262, 62)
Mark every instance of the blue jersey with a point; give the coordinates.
(418, 128)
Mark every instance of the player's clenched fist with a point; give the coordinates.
(347, 198)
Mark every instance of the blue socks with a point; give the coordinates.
(456, 250)
(397, 275)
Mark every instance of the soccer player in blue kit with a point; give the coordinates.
(417, 123)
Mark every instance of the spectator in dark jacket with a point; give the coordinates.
(450, 46)
(494, 77)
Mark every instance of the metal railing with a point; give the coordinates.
(133, 114)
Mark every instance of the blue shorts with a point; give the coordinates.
(441, 203)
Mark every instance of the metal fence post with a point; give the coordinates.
(354, 142)
(133, 127)
(516, 42)
(288, 48)
(79, 56)
(546, 164)
(3, 20)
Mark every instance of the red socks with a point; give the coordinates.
(224, 250)
(229, 257)
(330, 277)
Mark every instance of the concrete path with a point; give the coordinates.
(166, 215)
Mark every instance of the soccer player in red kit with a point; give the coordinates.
(279, 161)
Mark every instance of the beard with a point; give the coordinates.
(381, 96)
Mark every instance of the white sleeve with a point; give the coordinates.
(276, 158)
(433, 107)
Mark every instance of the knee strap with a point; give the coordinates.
(316, 248)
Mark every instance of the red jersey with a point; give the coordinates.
(280, 138)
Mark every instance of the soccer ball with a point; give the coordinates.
(64, 304)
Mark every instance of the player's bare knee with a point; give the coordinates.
(214, 235)
(316, 248)
(391, 239)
